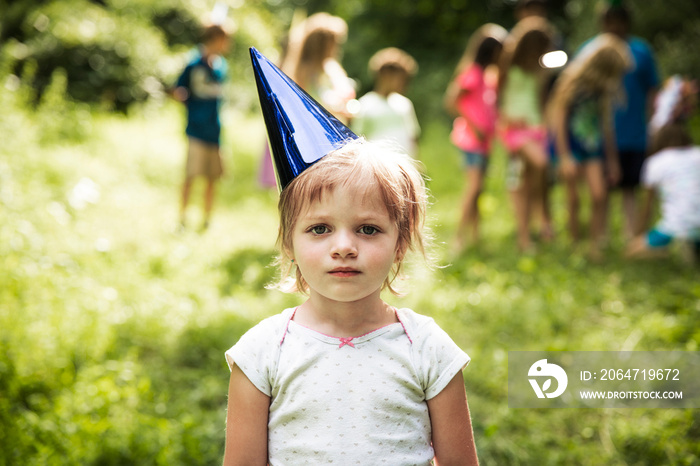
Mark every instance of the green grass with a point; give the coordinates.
(113, 325)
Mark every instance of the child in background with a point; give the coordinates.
(310, 56)
(200, 88)
(640, 84)
(580, 117)
(673, 174)
(472, 96)
(312, 62)
(385, 113)
(344, 377)
(522, 87)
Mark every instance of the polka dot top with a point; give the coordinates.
(349, 401)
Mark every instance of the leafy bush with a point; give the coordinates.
(112, 53)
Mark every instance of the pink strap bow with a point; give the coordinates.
(346, 341)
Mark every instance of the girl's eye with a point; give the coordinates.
(368, 230)
(318, 229)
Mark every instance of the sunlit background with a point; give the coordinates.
(113, 324)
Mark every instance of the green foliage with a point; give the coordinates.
(119, 52)
(435, 33)
(670, 33)
(444, 31)
(248, 269)
(113, 53)
(114, 327)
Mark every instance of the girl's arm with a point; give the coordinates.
(473, 127)
(203, 87)
(246, 422)
(452, 95)
(342, 92)
(453, 439)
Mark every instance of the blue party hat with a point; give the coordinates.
(299, 129)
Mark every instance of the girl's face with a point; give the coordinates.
(220, 45)
(392, 80)
(345, 245)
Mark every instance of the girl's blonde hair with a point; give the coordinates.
(311, 42)
(531, 35)
(372, 167)
(488, 30)
(598, 67)
(395, 58)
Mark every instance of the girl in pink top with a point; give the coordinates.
(472, 96)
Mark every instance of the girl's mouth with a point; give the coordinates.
(344, 272)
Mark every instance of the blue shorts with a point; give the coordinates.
(586, 150)
(475, 160)
(582, 156)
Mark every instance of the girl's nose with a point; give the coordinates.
(344, 244)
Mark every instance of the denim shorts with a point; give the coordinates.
(475, 160)
(582, 156)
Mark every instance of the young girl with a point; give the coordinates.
(472, 95)
(312, 62)
(345, 377)
(580, 117)
(522, 85)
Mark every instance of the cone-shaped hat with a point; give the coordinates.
(299, 129)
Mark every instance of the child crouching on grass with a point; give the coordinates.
(346, 377)
(672, 173)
